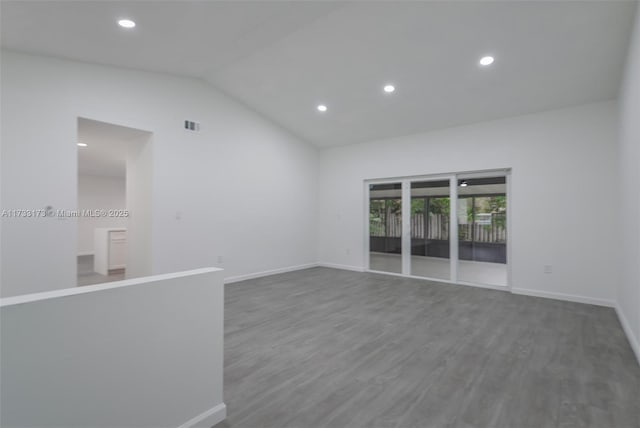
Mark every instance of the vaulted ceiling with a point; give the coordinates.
(282, 59)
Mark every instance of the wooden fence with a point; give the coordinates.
(438, 228)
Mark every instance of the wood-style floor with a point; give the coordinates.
(87, 276)
(330, 348)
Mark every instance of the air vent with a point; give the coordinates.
(191, 126)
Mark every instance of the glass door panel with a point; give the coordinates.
(385, 227)
(430, 213)
(482, 230)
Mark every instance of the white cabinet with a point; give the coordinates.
(110, 245)
(117, 249)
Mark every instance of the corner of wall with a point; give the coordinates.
(626, 326)
(628, 287)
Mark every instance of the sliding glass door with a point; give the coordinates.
(482, 230)
(449, 227)
(430, 213)
(385, 227)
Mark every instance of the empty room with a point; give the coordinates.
(319, 214)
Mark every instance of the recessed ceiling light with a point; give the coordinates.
(322, 108)
(82, 144)
(389, 88)
(486, 60)
(126, 23)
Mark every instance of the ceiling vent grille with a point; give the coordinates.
(190, 125)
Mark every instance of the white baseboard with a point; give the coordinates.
(239, 278)
(633, 340)
(562, 296)
(207, 419)
(521, 291)
(342, 267)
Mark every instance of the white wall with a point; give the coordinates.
(245, 190)
(139, 353)
(242, 188)
(140, 205)
(628, 298)
(95, 192)
(564, 183)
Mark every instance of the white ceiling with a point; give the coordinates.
(284, 58)
(107, 146)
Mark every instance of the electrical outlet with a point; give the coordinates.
(548, 269)
(220, 259)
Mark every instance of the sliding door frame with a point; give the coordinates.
(453, 223)
(405, 182)
(406, 227)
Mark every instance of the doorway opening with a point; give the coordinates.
(114, 202)
(451, 228)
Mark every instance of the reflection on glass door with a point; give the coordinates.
(430, 229)
(482, 230)
(385, 227)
